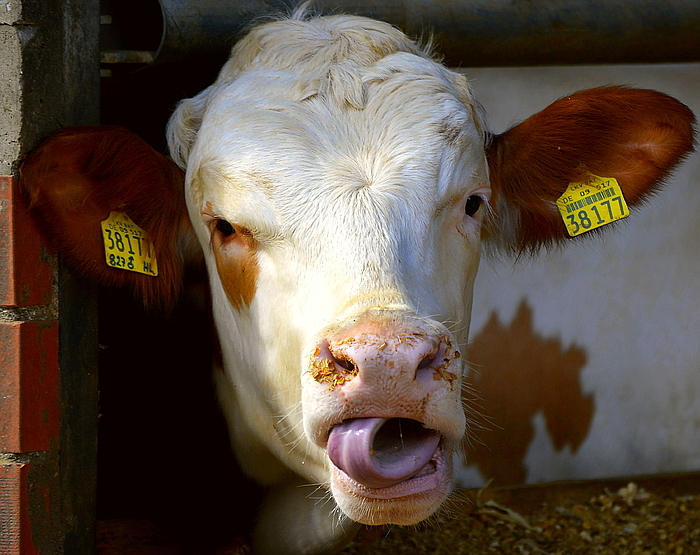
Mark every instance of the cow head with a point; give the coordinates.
(328, 208)
(340, 182)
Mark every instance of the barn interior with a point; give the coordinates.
(163, 449)
(164, 480)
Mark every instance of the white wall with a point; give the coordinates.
(629, 301)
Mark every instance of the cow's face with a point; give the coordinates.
(342, 243)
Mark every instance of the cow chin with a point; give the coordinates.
(405, 503)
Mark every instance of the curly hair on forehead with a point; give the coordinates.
(334, 57)
(311, 44)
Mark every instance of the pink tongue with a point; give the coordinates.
(381, 452)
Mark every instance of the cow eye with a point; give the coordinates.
(225, 228)
(474, 202)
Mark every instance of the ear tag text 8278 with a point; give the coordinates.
(590, 204)
(127, 246)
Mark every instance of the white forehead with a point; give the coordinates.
(400, 125)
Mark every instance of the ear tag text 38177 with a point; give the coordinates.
(590, 204)
(127, 246)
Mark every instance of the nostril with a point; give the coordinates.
(427, 361)
(331, 369)
(347, 364)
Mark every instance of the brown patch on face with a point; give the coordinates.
(237, 264)
(518, 374)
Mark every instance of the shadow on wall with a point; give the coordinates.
(515, 374)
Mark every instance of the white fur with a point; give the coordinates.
(348, 153)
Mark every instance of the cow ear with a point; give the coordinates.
(184, 125)
(636, 136)
(80, 175)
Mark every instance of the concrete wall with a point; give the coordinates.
(587, 359)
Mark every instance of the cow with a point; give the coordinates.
(338, 182)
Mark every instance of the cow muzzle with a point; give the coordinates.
(394, 389)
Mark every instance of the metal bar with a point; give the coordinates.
(469, 33)
(558, 32)
(127, 57)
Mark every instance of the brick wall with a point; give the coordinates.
(49, 78)
(29, 379)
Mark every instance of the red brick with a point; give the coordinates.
(27, 273)
(29, 386)
(15, 525)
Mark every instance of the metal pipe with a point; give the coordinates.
(466, 32)
(204, 26)
(563, 32)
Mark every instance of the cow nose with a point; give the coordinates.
(379, 354)
(405, 354)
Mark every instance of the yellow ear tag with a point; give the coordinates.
(126, 245)
(592, 203)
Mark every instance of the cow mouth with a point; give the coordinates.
(386, 457)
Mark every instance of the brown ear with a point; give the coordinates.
(79, 175)
(636, 136)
